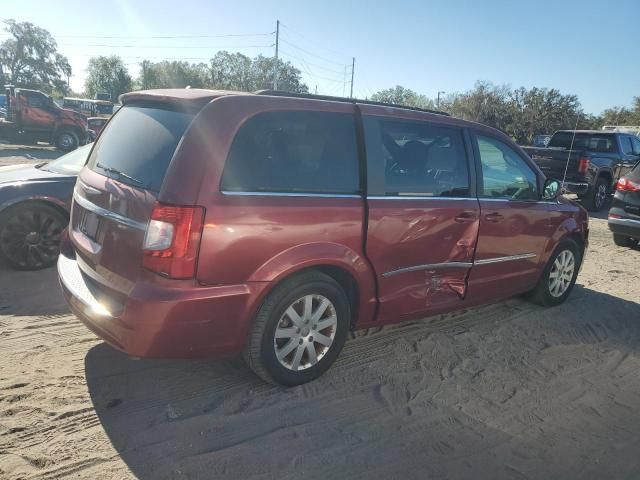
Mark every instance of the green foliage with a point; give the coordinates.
(403, 96)
(225, 71)
(30, 59)
(107, 75)
(172, 75)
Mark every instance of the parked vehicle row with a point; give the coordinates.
(206, 224)
(589, 161)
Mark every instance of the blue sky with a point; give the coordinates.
(588, 48)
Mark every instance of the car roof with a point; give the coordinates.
(199, 97)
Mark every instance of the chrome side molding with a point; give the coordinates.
(510, 258)
(440, 266)
(103, 212)
(428, 266)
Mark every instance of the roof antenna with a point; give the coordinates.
(564, 177)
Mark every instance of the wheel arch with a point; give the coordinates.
(348, 268)
(56, 203)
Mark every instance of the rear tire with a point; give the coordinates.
(624, 240)
(281, 348)
(67, 141)
(30, 235)
(597, 197)
(559, 276)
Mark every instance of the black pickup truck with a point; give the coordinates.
(594, 160)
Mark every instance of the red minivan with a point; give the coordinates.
(208, 223)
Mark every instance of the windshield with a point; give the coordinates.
(594, 142)
(71, 163)
(138, 144)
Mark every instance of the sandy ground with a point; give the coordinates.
(510, 390)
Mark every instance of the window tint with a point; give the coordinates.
(594, 142)
(419, 158)
(636, 145)
(294, 152)
(35, 101)
(625, 142)
(138, 144)
(504, 173)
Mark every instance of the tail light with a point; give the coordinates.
(583, 164)
(626, 185)
(172, 241)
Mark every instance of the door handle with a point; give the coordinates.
(493, 217)
(467, 216)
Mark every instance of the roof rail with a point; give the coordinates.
(281, 93)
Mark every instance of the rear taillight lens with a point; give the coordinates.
(626, 185)
(583, 164)
(172, 241)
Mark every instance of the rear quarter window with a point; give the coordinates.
(294, 152)
(138, 144)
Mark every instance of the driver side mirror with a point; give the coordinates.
(551, 189)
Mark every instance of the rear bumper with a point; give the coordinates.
(580, 188)
(161, 322)
(625, 226)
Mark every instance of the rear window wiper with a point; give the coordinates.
(120, 173)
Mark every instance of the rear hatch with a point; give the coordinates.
(117, 189)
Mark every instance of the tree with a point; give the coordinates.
(107, 75)
(403, 96)
(30, 59)
(172, 75)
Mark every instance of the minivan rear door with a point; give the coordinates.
(423, 214)
(116, 191)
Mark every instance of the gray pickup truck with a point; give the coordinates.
(594, 160)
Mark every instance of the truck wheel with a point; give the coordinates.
(559, 276)
(299, 330)
(624, 240)
(30, 235)
(597, 197)
(67, 141)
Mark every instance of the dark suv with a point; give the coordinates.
(207, 223)
(624, 216)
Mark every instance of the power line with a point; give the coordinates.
(167, 46)
(311, 53)
(157, 37)
(289, 54)
(335, 52)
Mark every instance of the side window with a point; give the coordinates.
(636, 145)
(35, 101)
(627, 147)
(419, 158)
(294, 152)
(504, 173)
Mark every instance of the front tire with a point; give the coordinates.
(559, 276)
(299, 330)
(30, 235)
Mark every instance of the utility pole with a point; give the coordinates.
(438, 101)
(353, 68)
(275, 73)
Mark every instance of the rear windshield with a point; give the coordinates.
(594, 142)
(138, 144)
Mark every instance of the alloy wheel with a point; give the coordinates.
(31, 238)
(305, 332)
(601, 195)
(561, 273)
